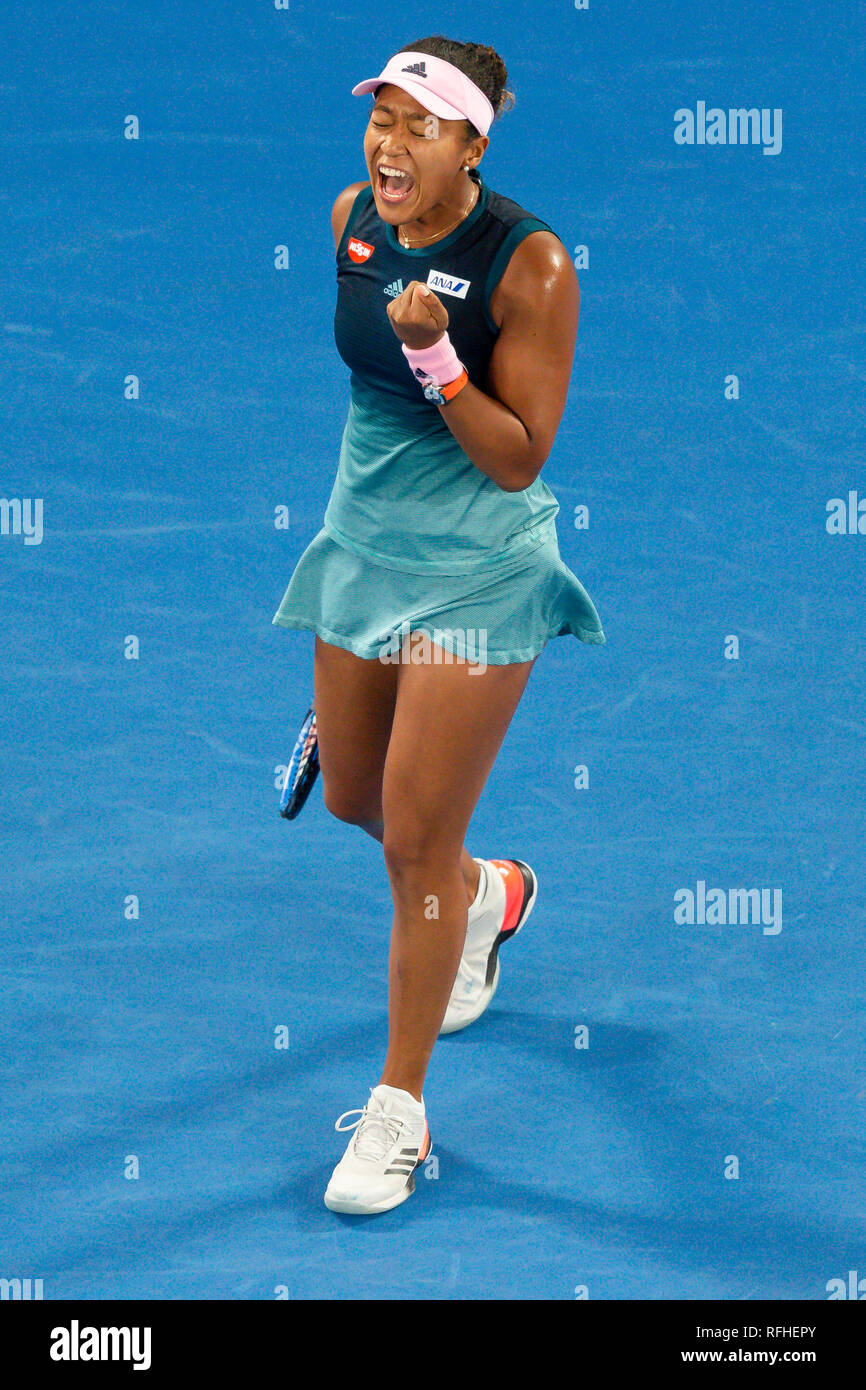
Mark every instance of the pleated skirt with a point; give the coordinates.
(502, 618)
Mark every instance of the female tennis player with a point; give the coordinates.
(436, 579)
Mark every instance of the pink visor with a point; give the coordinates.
(440, 87)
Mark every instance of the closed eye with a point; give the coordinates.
(383, 125)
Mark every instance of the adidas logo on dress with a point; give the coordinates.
(395, 288)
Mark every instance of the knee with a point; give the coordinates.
(410, 846)
(350, 805)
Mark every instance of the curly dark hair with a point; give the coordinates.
(482, 65)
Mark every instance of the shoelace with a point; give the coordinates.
(377, 1132)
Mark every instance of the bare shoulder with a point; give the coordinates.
(538, 269)
(342, 207)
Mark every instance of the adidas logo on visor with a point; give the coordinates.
(420, 69)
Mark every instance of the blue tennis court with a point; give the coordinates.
(666, 1098)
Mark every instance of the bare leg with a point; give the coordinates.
(355, 701)
(447, 729)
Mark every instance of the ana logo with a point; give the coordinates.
(359, 250)
(395, 288)
(448, 284)
(419, 69)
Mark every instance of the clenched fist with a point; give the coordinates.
(417, 317)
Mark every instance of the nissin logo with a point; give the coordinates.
(448, 284)
(359, 251)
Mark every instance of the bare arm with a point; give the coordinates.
(341, 209)
(509, 433)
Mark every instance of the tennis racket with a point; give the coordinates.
(303, 768)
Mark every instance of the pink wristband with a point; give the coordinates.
(439, 362)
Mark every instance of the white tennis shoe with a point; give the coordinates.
(376, 1172)
(506, 895)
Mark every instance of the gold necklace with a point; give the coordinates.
(443, 230)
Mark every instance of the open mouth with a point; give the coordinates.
(394, 187)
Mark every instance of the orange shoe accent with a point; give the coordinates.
(515, 890)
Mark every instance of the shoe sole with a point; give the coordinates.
(491, 980)
(355, 1208)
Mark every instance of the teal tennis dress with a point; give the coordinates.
(415, 537)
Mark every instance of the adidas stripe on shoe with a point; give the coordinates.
(507, 890)
(391, 1139)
